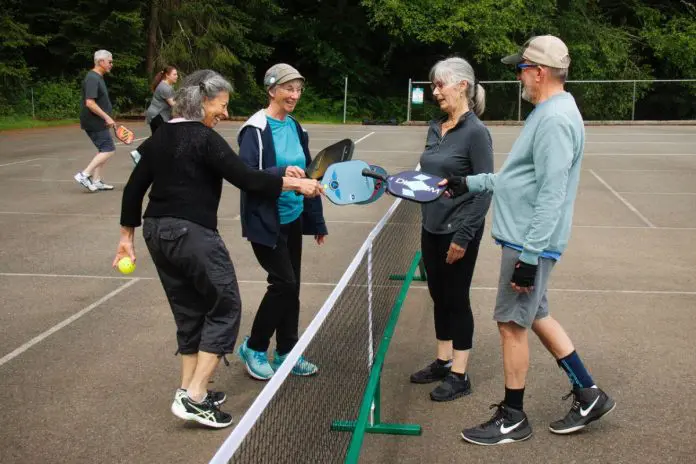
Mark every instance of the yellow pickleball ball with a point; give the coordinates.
(126, 266)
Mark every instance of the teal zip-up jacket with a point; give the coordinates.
(534, 191)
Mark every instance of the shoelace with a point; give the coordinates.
(576, 403)
(497, 419)
(260, 356)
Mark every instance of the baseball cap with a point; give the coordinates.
(547, 50)
(279, 74)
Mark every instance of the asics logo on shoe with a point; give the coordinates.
(505, 430)
(585, 412)
(202, 412)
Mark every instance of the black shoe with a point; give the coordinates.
(431, 373)
(589, 404)
(217, 397)
(451, 388)
(205, 412)
(506, 426)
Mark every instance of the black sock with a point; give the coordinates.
(443, 363)
(514, 398)
(460, 376)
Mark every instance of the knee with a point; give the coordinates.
(511, 331)
(287, 287)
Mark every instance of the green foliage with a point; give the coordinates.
(377, 44)
(57, 100)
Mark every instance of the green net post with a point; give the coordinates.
(422, 275)
(372, 396)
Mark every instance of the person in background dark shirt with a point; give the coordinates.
(95, 120)
(453, 227)
(184, 164)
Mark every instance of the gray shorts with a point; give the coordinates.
(102, 140)
(522, 309)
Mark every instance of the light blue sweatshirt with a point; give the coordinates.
(534, 192)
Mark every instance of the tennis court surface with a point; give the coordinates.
(87, 362)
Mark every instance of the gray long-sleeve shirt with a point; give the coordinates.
(465, 150)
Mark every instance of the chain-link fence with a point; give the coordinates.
(607, 100)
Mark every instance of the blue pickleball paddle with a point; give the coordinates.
(344, 183)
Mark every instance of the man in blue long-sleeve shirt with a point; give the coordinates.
(533, 198)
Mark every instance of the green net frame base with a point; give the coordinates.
(369, 420)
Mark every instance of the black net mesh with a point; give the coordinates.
(295, 427)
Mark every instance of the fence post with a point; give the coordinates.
(408, 110)
(519, 100)
(633, 106)
(345, 100)
(33, 112)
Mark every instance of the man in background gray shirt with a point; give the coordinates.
(95, 120)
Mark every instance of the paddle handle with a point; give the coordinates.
(375, 175)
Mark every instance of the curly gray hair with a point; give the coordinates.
(188, 101)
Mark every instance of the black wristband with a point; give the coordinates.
(524, 274)
(456, 186)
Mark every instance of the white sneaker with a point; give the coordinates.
(99, 185)
(135, 156)
(85, 181)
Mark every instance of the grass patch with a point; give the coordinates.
(26, 122)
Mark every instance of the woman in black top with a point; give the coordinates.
(183, 164)
(452, 227)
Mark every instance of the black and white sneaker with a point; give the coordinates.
(506, 426)
(451, 388)
(205, 412)
(589, 405)
(217, 397)
(433, 372)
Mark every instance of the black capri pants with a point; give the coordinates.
(449, 286)
(198, 277)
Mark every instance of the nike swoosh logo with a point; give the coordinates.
(505, 430)
(585, 412)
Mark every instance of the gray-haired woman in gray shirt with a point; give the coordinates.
(452, 227)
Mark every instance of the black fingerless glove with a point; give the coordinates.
(524, 274)
(456, 186)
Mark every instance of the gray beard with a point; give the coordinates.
(526, 96)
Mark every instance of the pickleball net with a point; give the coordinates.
(297, 419)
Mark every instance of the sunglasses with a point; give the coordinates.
(519, 67)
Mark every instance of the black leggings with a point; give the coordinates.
(156, 122)
(279, 310)
(449, 286)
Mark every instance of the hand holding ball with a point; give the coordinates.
(126, 266)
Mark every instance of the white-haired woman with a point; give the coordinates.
(272, 140)
(184, 164)
(453, 227)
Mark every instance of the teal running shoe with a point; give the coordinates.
(302, 367)
(256, 362)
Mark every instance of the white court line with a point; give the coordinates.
(588, 290)
(363, 138)
(236, 218)
(686, 171)
(641, 142)
(36, 179)
(632, 227)
(658, 193)
(20, 162)
(57, 327)
(132, 280)
(623, 200)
